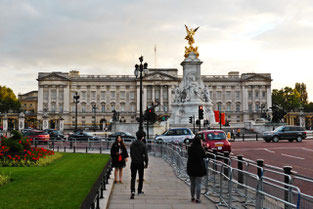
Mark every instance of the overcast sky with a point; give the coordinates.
(107, 37)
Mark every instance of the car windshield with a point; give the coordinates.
(216, 136)
(280, 128)
(128, 134)
(88, 134)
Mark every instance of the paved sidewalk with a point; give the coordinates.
(163, 190)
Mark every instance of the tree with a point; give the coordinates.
(283, 101)
(301, 88)
(8, 100)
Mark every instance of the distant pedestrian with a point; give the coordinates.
(139, 161)
(119, 157)
(233, 134)
(196, 168)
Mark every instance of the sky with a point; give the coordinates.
(107, 37)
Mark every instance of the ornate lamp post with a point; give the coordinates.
(76, 101)
(139, 70)
(94, 109)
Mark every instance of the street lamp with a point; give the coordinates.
(76, 101)
(139, 70)
(94, 109)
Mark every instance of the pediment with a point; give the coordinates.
(158, 76)
(257, 77)
(53, 77)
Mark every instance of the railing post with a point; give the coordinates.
(215, 158)
(287, 180)
(259, 197)
(243, 137)
(87, 149)
(256, 136)
(100, 150)
(240, 167)
(64, 148)
(71, 145)
(53, 145)
(226, 161)
(74, 150)
(58, 148)
(35, 143)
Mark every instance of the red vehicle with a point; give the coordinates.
(37, 135)
(215, 139)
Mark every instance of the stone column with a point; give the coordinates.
(5, 123)
(40, 99)
(269, 97)
(245, 103)
(138, 99)
(144, 98)
(67, 99)
(153, 99)
(161, 99)
(49, 99)
(57, 99)
(169, 89)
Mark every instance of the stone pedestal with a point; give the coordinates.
(190, 94)
(61, 124)
(21, 121)
(45, 122)
(5, 123)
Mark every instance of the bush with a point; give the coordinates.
(4, 179)
(17, 151)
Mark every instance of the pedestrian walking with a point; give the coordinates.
(139, 161)
(119, 157)
(233, 134)
(196, 168)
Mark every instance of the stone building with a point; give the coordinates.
(29, 108)
(240, 96)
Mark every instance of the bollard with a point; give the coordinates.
(243, 137)
(71, 145)
(103, 181)
(98, 200)
(240, 167)
(226, 161)
(86, 149)
(287, 171)
(58, 148)
(74, 150)
(100, 150)
(64, 148)
(35, 143)
(260, 163)
(256, 136)
(53, 145)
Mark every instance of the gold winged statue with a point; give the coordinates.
(190, 39)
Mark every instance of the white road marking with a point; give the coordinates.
(300, 158)
(267, 150)
(306, 149)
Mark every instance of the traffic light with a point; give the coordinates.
(190, 119)
(200, 112)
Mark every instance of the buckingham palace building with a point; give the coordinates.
(241, 96)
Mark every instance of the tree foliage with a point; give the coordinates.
(290, 100)
(301, 89)
(8, 100)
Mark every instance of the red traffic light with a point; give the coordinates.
(200, 107)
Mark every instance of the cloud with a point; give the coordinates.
(107, 37)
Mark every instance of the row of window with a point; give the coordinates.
(238, 107)
(53, 94)
(228, 95)
(157, 93)
(84, 95)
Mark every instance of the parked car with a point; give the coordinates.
(176, 135)
(55, 134)
(215, 139)
(82, 136)
(38, 135)
(289, 133)
(125, 136)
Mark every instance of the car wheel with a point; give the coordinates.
(187, 141)
(160, 140)
(290, 140)
(299, 139)
(275, 139)
(267, 140)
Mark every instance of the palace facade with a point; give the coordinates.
(241, 96)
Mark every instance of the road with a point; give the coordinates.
(283, 153)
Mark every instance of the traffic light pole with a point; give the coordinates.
(194, 123)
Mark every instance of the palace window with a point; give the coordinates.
(228, 106)
(238, 107)
(228, 93)
(93, 95)
(132, 95)
(238, 95)
(112, 94)
(102, 95)
(83, 95)
(53, 94)
(122, 95)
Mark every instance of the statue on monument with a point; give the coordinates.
(190, 33)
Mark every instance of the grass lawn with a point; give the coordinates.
(62, 184)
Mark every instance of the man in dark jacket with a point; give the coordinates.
(139, 157)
